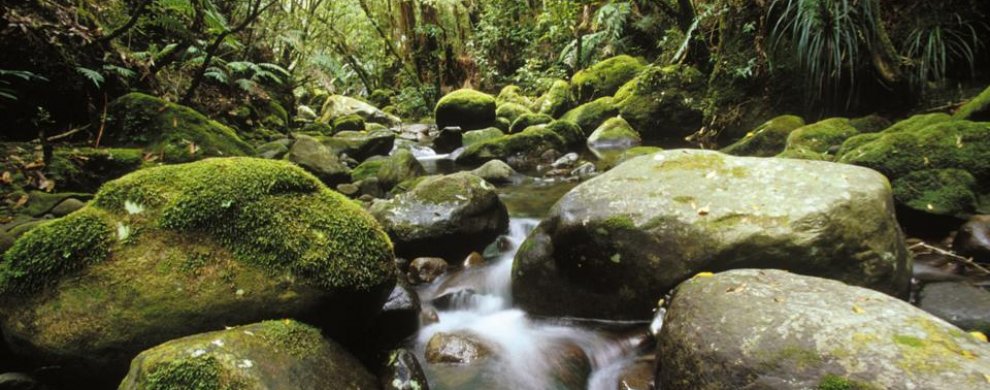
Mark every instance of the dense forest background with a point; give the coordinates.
(257, 63)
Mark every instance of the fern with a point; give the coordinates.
(216, 74)
(92, 75)
(121, 72)
(8, 93)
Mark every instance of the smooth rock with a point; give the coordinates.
(403, 372)
(315, 158)
(426, 269)
(67, 207)
(973, 239)
(959, 303)
(456, 348)
(496, 172)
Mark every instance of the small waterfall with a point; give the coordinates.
(529, 354)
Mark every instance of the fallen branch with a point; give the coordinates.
(952, 256)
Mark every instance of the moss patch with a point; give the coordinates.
(938, 191)
(664, 103)
(527, 120)
(467, 109)
(604, 78)
(977, 109)
(589, 116)
(767, 140)
(199, 373)
(351, 122)
(511, 111)
(85, 169)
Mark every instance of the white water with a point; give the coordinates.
(526, 351)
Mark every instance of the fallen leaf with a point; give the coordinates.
(704, 210)
(979, 336)
(6, 178)
(704, 275)
(858, 310)
(21, 202)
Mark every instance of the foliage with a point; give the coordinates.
(939, 42)
(7, 92)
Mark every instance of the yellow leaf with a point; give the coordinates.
(979, 336)
(704, 275)
(930, 207)
(858, 310)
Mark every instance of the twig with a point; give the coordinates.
(951, 256)
(103, 122)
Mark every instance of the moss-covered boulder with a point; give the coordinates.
(664, 103)
(768, 140)
(519, 150)
(610, 158)
(977, 109)
(390, 171)
(818, 141)
(308, 153)
(511, 111)
(467, 109)
(173, 132)
(604, 78)
(614, 133)
(769, 329)
(338, 106)
(170, 251)
(444, 216)
(525, 121)
(475, 136)
(351, 122)
(513, 94)
(360, 145)
(591, 115)
(281, 354)
(556, 101)
(85, 169)
(870, 124)
(615, 244)
(926, 143)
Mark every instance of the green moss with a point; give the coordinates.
(835, 382)
(615, 131)
(467, 109)
(317, 128)
(604, 78)
(502, 124)
(870, 123)
(367, 169)
(619, 222)
(511, 111)
(381, 97)
(821, 138)
(476, 136)
(271, 214)
(664, 102)
(532, 142)
(909, 341)
(513, 94)
(978, 109)
(443, 189)
(54, 249)
(85, 169)
(40, 203)
(556, 101)
(193, 373)
(767, 140)
(527, 120)
(390, 171)
(568, 131)
(938, 191)
(295, 338)
(589, 116)
(792, 357)
(176, 133)
(351, 122)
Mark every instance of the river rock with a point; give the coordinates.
(19, 381)
(270, 355)
(403, 372)
(495, 171)
(770, 329)
(308, 153)
(639, 375)
(604, 78)
(338, 106)
(973, 239)
(457, 348)
(959, 303)
(614, 133)
(275, 150)
(767, 140)
(615, 244)
(398, 319)
(390, 171)
(176, 250)
(67, 206)
(426, 269)
(361, 144)
(444, 216)
(448, 140)
(467, 109)
(474, 136)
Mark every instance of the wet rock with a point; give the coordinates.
(639, 375)
(584, 170)
(456, 348)
(67, 207)
(399, 317)
(312, 156)
(402, 264)
(338, 106)
(19, 381)
(520, 150)
(570, 367)
(451, 300)
(426, 269)
(428, 316)
(444, 216)
(769, 329)
(448, 140)
(275, 150)
(474, 260)
(371, 187)
(496, 172)
(347, 189)
(767, 140)
(257, 356)
(360, 145)
(390, 171)
(403, 372)
(556, 101)
(663, 103)
(567, 160)
(284, 246)
(467, 109)
(615, 244)
(614, 133)
(973, 239)
(959, 303)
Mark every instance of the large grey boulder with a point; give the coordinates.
(338, 106)
(614, 245)
(443, 216)
(770, 329)
(308, 153)
(269, 355)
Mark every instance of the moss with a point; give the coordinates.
(767, 140)
(351, 122)
(443, 189)
(390, 171)
(475, 136)
(977, 109)
(821, 138)
(938, 191)
(870, 123)
(619, 222)
(835, 382)
(527, 120)
(293, 337)
(193, 373)
(176, 133)
(502, 124)
(467, 109)
(40, 203)
(381, 97)
(909, 341)
(54, 249)
(917, 122)
(604, 78)
(615, 131)
(269, 213)
(556, 101)
(511, 111)
(589, 116)
(568, 131)
(317, 128)
(664, 103)
(85, 169)
(367, 169)
(532, 142)
(513, 94)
